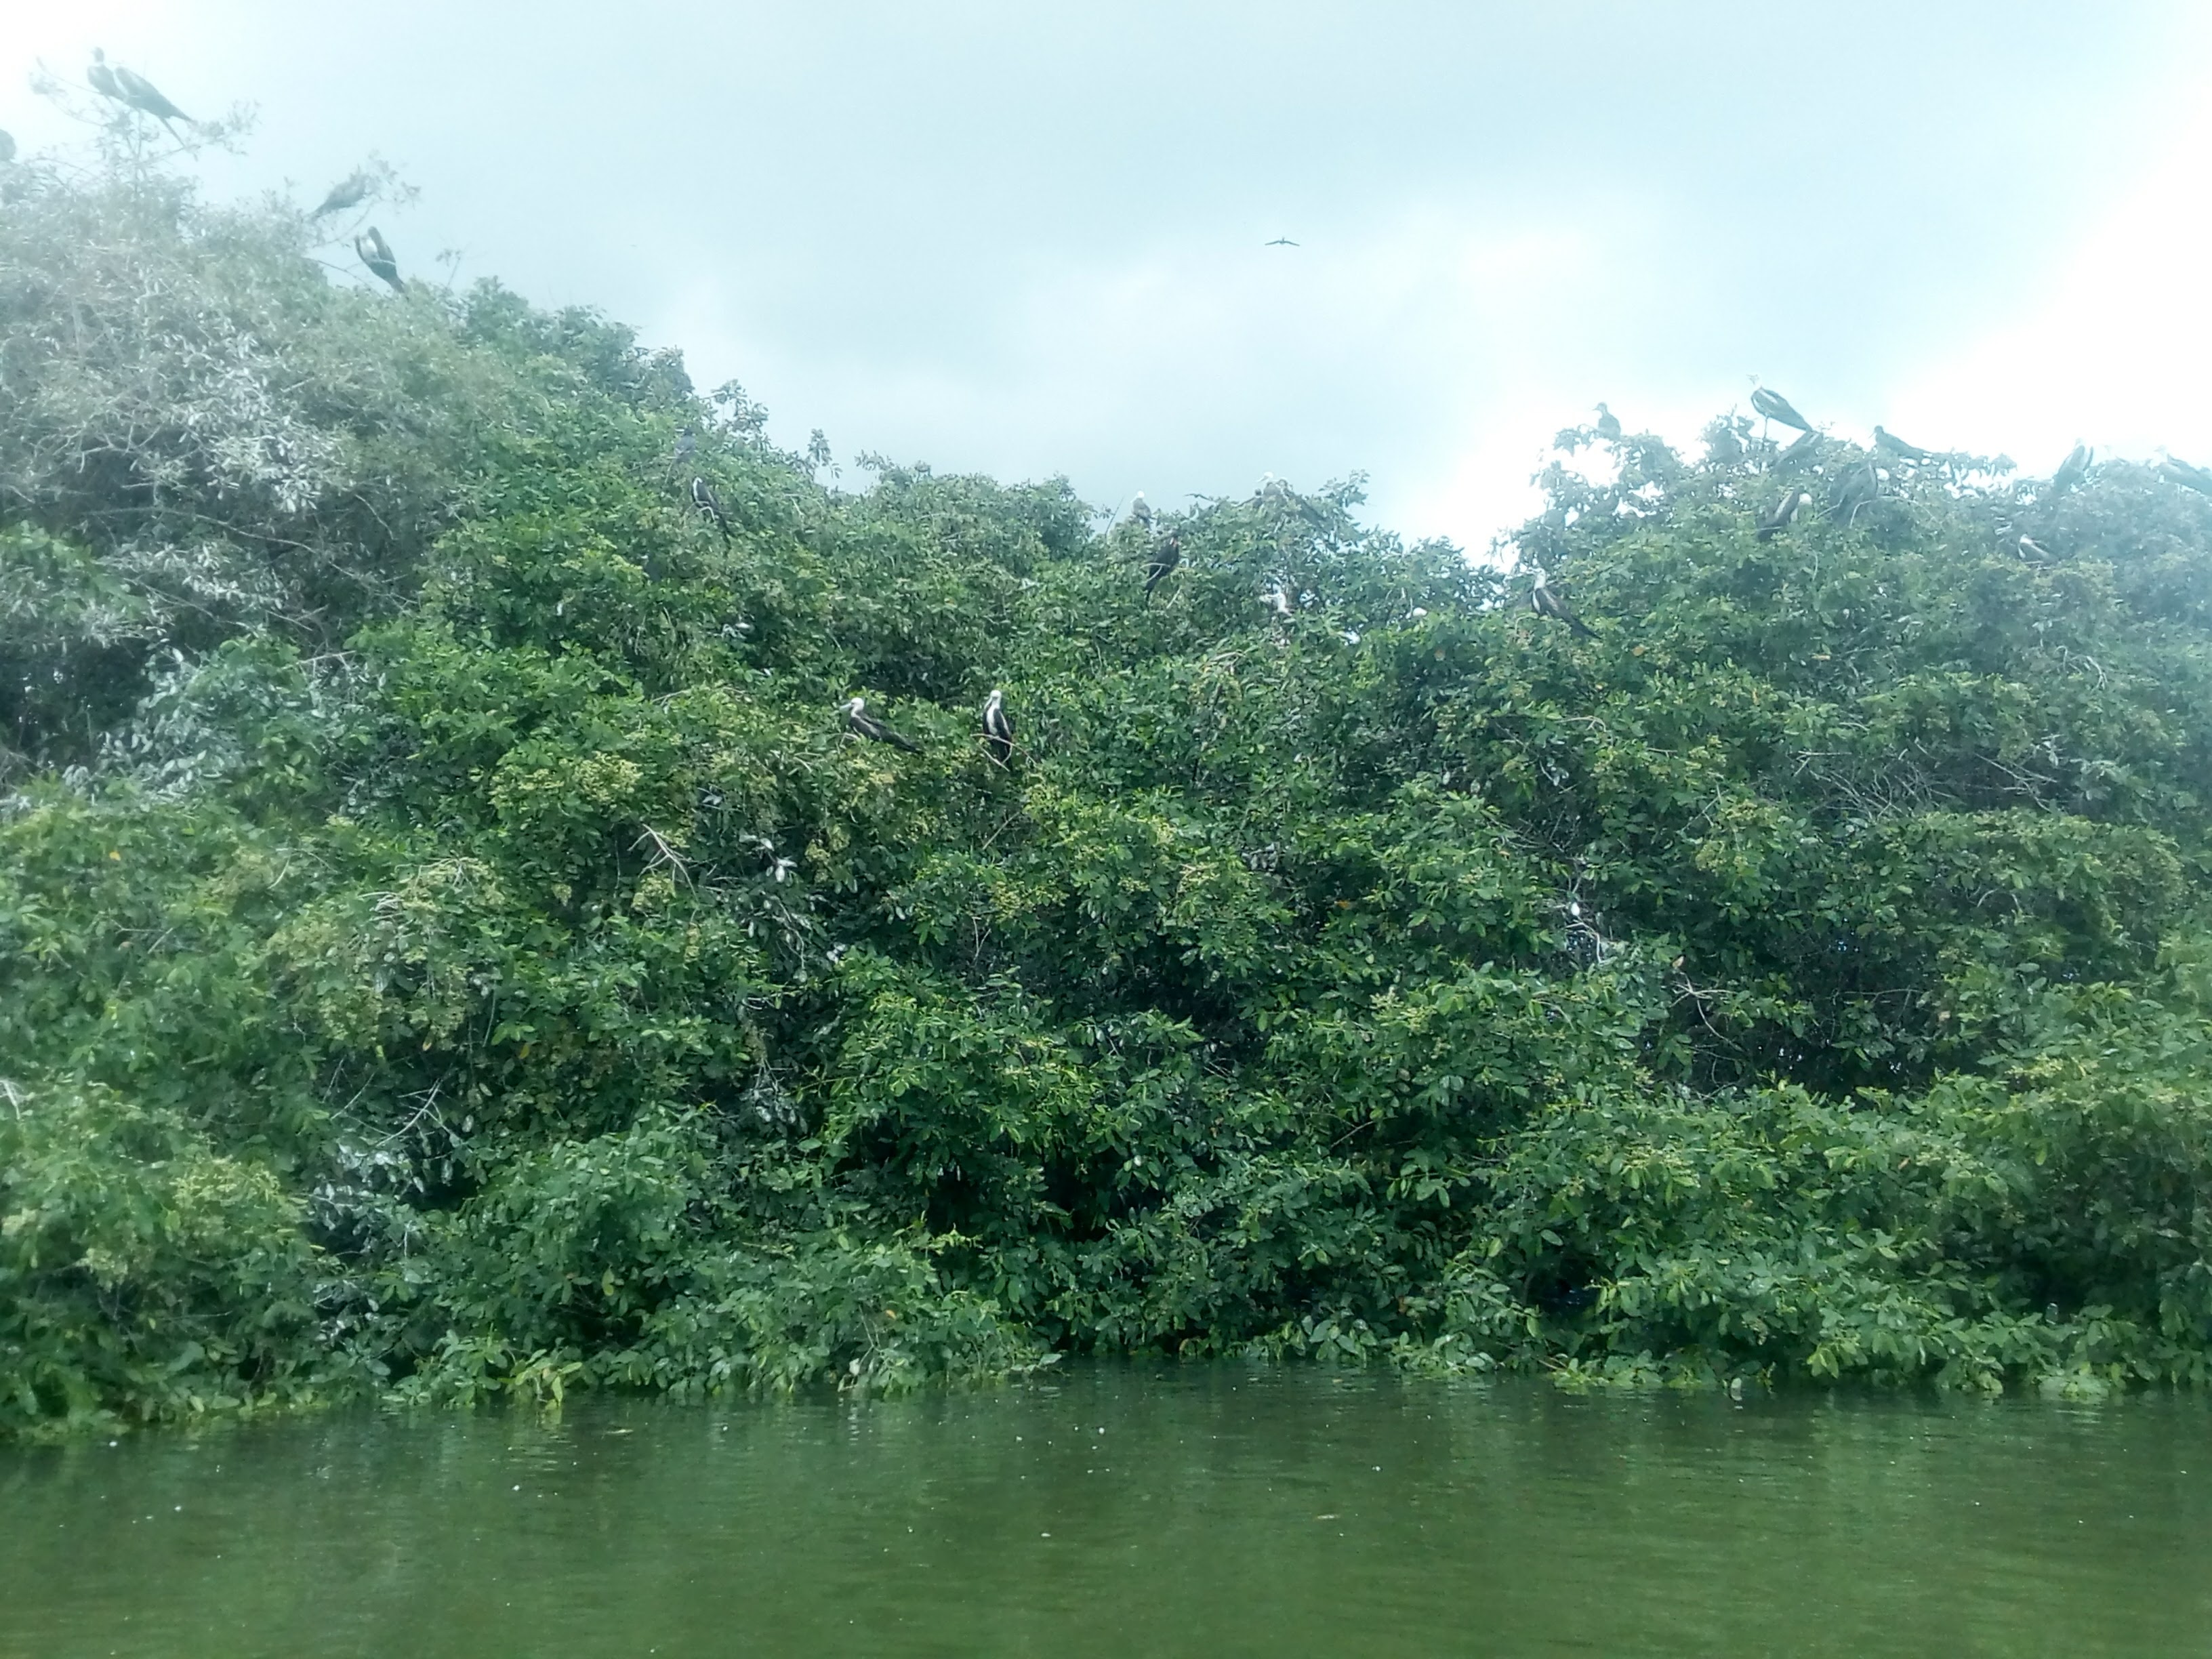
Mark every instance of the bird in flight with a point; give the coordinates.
(376, 254)
(1282, 241)
(857, 717)
(1546, 603)
(997, 730)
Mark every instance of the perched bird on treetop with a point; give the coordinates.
(1897, 447)
(1776, 407)
(687, 440)
(2196, 478)
(2072, 470)
(1801, 449)
(997, 730)
(1784, 510)
(376, 254)
(101, 78)
(1546, 603)
(1858, 491)
(349, 191)
(1165, 557)
(1141, 510)
(857, 717)
(703, 498)
(1608, 425)
(141, 93)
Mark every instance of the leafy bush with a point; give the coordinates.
(466, 950)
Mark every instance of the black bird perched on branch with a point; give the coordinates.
(101, 79)
(134, 90)
(1784, 510)
(1546, 603)
(1800, 450)
(1776, 407)
(2072, 470)
(2192, 478)
(997, 730)
(1165, 557)
(1608, 425)
(1858, 490)
(376, 254)
(703, 498)
(349, 191)
(1891, 444)
(857, 717)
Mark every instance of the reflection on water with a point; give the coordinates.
(1134, 1510)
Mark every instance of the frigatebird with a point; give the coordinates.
(1801, 450)
(1282, 241)
(2031, 549)
(857, 717)
(1141, 510)
(101, 79)
(349, 191)
(376, 254)
(687, 440)
(1784, 510)
(1608, 425)
(135, 90)
(1776, 407)
(1891, 444)
(1546, 603)
(1165, 557)
(703, 498)
(1858, 491)
(2193, 477)
(2072, 470)
(997, 730)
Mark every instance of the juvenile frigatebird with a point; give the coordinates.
(703, 498)
(376, 254)
(857, 717)
(1858, 491)
(1608, 425)
(1140, 511)
(1784, 510)
(1546, 603)
(997, 730)
(687, 440)
(1776, 407)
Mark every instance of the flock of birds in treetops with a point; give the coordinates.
(1854, 492)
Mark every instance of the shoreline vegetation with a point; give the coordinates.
(458, 938)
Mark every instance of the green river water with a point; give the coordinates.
(1133, 1510)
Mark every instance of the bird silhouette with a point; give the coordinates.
(997, 730)
(1546, 603)
(1608, 425)
(1891, 444)
(1776, 407)
(1784, 510)
(1282, 241)
(2072, 470)
(376, 254)
(1164, 558)
(703, 498)
(101, 78)
(1856, 491)
(857, 717)
(1141, 510)
(687, 442)
(1800, 450)
(135, 90)
(349, 191)
(2192, 478)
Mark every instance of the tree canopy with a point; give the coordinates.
(453, 942)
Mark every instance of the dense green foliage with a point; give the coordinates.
(451, 941)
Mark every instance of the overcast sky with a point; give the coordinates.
(1028, 239)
